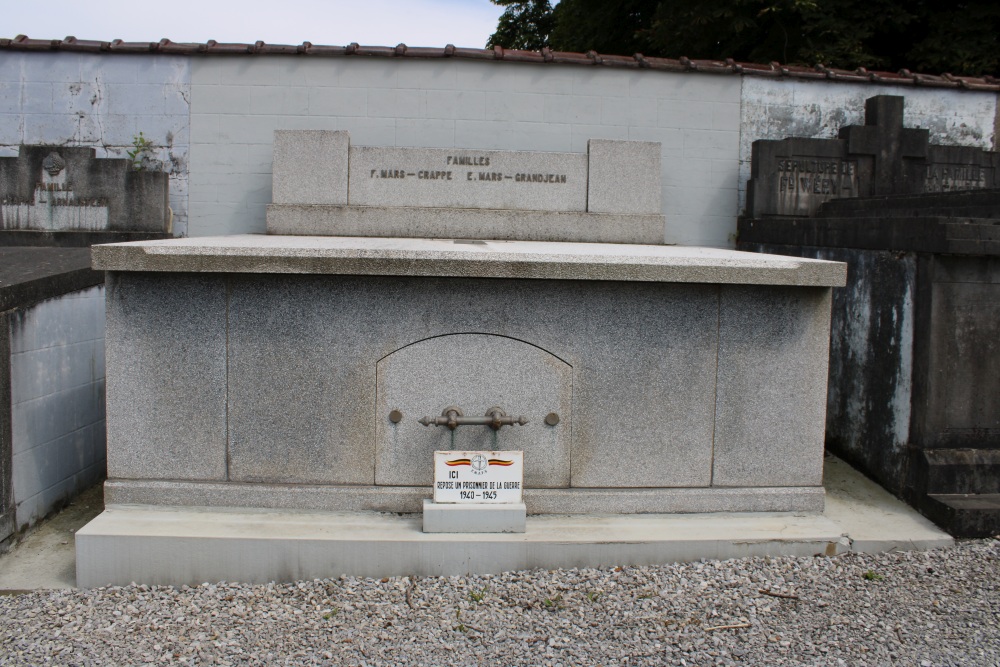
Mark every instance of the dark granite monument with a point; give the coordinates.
(793, 177)
(914, 395)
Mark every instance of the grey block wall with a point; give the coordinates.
(57, 425)
(706, 124)
(236, 104)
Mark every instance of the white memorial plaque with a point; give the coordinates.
(478, 477)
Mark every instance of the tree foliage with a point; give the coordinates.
(524, 24)
(923, 35)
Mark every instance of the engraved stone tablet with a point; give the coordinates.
(478, 477)
(462, 178)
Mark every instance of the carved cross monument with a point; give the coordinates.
(794, 176)
(884, 137)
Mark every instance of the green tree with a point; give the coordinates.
(923, 35)
(605, 26)
(523, 24)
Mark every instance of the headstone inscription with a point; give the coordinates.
(68, 189)
(793, 177)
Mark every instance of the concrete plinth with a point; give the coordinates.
(182, 545)
(452, 518)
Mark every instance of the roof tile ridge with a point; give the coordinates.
(545, 55)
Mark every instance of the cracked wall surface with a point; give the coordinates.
(104, 102)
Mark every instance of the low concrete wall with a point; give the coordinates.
(56, 403)
(7, 523)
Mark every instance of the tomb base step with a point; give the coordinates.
(406, 499)
(464, 223)
(965, 514)
(185, 545)
(961, 471)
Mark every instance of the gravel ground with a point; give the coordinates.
(920, 608)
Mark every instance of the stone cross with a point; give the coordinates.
(884, 137)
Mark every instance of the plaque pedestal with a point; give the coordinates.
(469, 518)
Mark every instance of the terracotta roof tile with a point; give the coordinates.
(591, 58)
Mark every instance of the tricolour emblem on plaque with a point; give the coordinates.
(479, 463)
(478, 477)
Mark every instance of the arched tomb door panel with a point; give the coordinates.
(474, 372)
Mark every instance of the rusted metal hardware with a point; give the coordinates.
(453, 417)
(396, 416)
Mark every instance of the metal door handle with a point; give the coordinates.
(452, 417)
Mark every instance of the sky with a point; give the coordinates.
(467, 23)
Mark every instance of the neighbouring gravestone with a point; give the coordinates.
(914, 395)
(66, 190)
(793, 177)
(311, 368)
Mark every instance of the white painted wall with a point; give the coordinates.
(780, 108)
(57, 400)
(237, 103)
(102, 101)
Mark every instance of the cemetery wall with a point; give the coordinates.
(56, 370)
(237, 103)
(212, 119)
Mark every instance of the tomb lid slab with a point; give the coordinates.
(465, 258)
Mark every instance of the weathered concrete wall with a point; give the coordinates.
(7, 523)
(56, 401)
(960, 362)
(871, 358)
(237, 103)
(776, 109)
(869, 401)
(104, 102)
